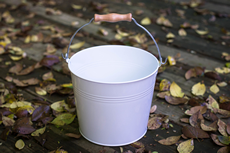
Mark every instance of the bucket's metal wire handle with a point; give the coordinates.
(113, 17)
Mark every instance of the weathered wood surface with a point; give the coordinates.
(208, 54)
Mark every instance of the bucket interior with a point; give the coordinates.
(113, 64)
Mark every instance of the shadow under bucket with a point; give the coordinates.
(113, 87)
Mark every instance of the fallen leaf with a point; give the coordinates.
(164, 85)
(171, 60)
(77, 45)
(146, 21)
(15, 58)
(19, 83)
(153, 108)
(38, 132)
(76, 7)
(212, 75)
(223, 70)
(170, 35)
(163, 94)
(154, 123)
(50, 49)
(26, 70)
(137, 145)
(175, 100)
(224, 99)
(40, 112)
(103, 32)
(194, 132)
(20, 144)
(222, 84)
(202, 32)
(48, 76)
(40, 91)
(184, 120)
(170, 140)
(228, 128)
(223, 112)
(224, 139)
(222, 127)
(73, 135)
(31, 81)
(186, 146)
(16, 69)
(175, 90)
(196, 119)
(63, 119)
(212, 103)
(27, 39)
(211, 127)
(7, 121)
(216, 140)
(49, 60)
(182, 32)
(224, 150)
(198, 89)
(195, 109)
(59, 106)
(194, 72)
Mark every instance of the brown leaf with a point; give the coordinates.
(39, 112)
(154, 123)
(175, 100)
(49, 60)
(228, 128)
(216, 140)
(224, 150)
(19, 83)
(184, 120)
(170, 140)
(73, 135)
(195, 109)
(48, 76)
(212, 75)
(26, 71)
(163, 94)
(16, 69)
(193, 132)
(31, 81)
(23, 126)
(211, 127)
(194, 72)
(196, 119)
(222, 127)
(223, 112)
(7, 121)
(5, 133)
(138, 145)
(153, 108)
(194, 101)
(210, 116)
(164, 85)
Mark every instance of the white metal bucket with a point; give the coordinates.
(113, 87)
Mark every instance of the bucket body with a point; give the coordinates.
(113, 87)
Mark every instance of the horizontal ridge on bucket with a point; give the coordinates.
(115, 99)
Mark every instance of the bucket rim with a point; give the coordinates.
(110, 82)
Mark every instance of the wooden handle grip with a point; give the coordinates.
(113, 17)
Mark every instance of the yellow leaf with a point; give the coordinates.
(77, 7)
(223, 70)
(222, 84)
(34, 38)
(164, 85)
(20, 144)
(160, 20)
(77, 45)
(198, 89)
(40, 91)
(167, 23)
(212, 103)
(146, 21)
(186, 146)
(118, 37)
(15, 58)
(202, 32)
(214, 89)
(182, 32)
(170, 35)
(171, 60)
(123, 34)
(175, 90)
(27, 40)
(38, 132)
(67, 85)
(59, 106)
(224, 54)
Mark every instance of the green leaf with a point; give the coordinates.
(38, 132)
(224, 139)
(227, 64)
(63, 119)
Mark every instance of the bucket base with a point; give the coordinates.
(105, 144)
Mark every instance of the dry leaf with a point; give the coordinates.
(211, 127)
(186, 146)
(103, 32)
(153, 108)
(7, 121)
(40, 91)
(194, 132)
(16, 69)
(216, 140)
(146, 21)
(184, 120)
(175, 100)
(171, 60)
(175, 90)
(170, 35)
(38, 132)
(198, 89)
(202, 32)
(222, 84)
(170, 140)
(163, 94)
(76, 7)
(224, 150)
(154, 123)
(222, 127)
(196, 119)
(48, 76)
(164, 85)
(73, 135)
(20, 144)
(182, 32)
(31, 81)
(77, 45)
(195, 109)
